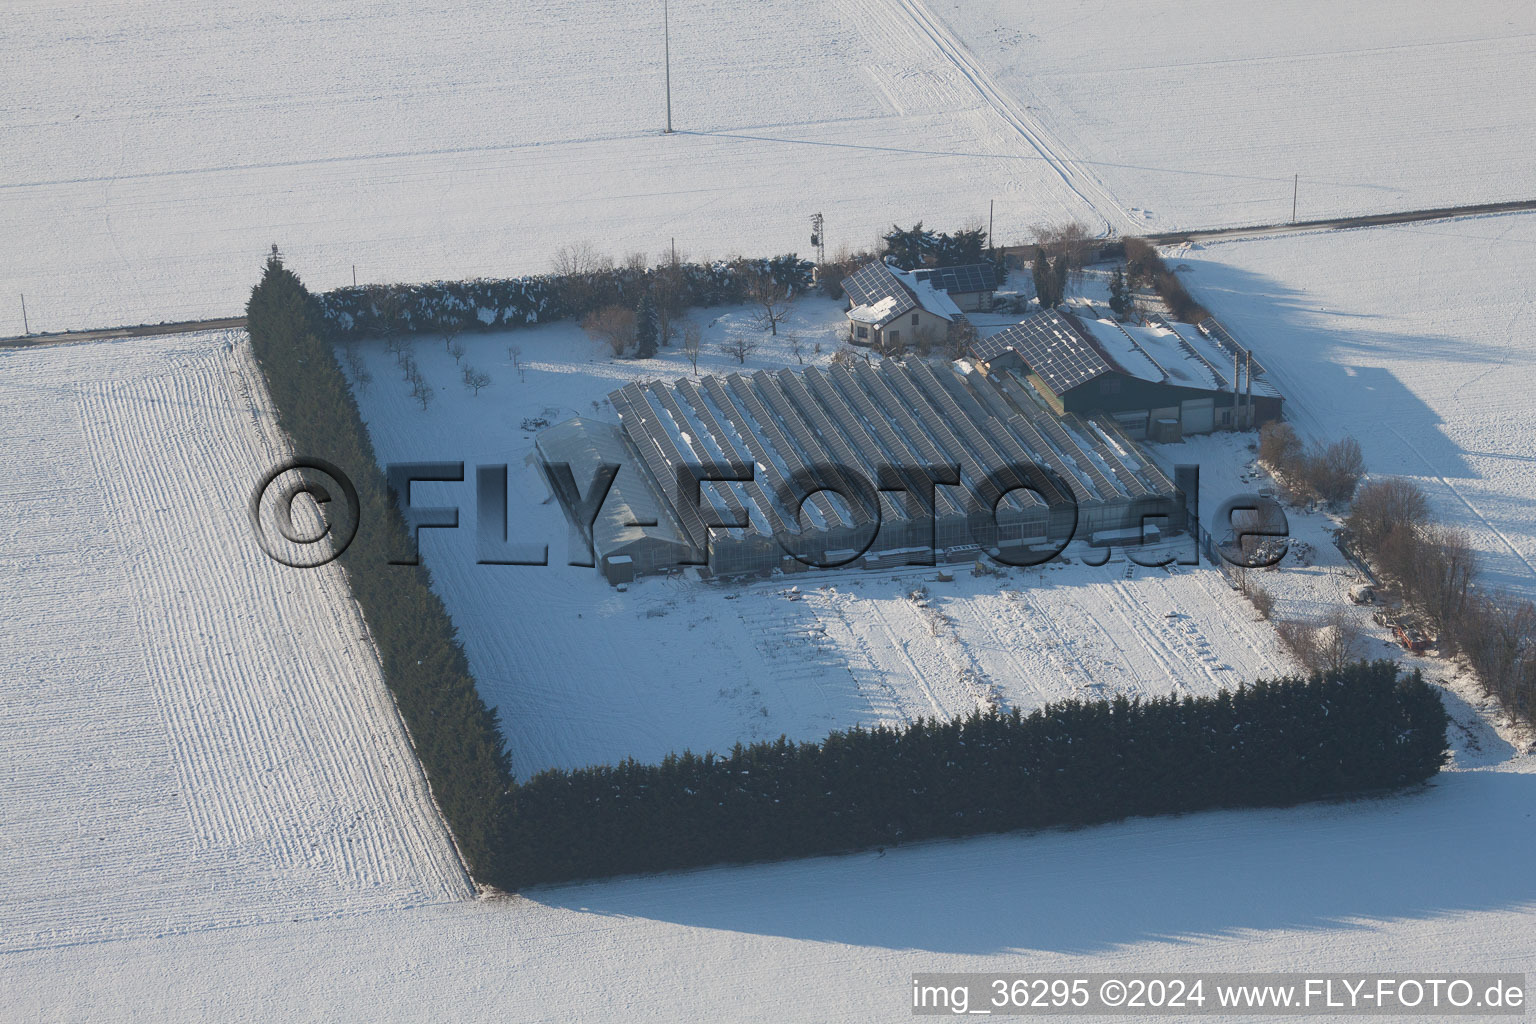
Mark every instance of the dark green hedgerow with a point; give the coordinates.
(1273, 743)
(457, 737)
(1361, 729)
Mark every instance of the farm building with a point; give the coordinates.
(622, 547)
(1160, 381)
(970, 287)
(882, 424)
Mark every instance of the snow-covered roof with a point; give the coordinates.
(584, 444)
(1066, 350)
(881, 293)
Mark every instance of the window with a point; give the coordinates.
(914, 319)
(863, 332)
(892, 337)
(1109, 386)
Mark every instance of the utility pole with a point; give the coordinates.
(819, 238)
(674, 249)
(666, 40)
(1295, 187)
(354, 275)
(24, 328)
(991, 208)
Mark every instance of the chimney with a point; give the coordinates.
(1237, 398)
(1249, 375)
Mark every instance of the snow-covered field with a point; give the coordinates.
(166, 145)
(1420, 341)
(1439, 881)
(191, 736)
(153, 151)
(1197, 113)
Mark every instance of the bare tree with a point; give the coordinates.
(1338, 642)
(357, 367)
(1263, 601)
(457, 351)
(1279, 447)
(1446, 567)
(1335, 471)
(422, 392)
(1301, 640)
(693, 341)
(796, 348)
(578, 270)
(449, 331)
(1070, 240)
(771, 297)
(614, 326)
(1383, 505)
(960, 340)
(667, 295)
(579, 259)
(738, 347)
(475, 379)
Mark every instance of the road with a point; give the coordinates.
(1341, 223)
(109, 333)
(1167, 238)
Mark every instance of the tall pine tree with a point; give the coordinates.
(647, 331)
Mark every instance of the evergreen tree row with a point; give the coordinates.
(914, 247)
(1272, 743)
(489, 304)
(456, 736)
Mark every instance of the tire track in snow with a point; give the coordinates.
(1434, 472)
(220, 748)
(1072, 173)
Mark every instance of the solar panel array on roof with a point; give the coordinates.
(974, 277)
(873, 282)
(1053, 349)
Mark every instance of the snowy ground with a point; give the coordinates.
(1438, 881)
(154, 151)
(1420, 341)
(191, 736)
(165, 146)
(1197, 113)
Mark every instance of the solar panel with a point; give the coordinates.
(973, 277)
(1054, 350)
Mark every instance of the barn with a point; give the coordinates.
(1158, 380)
(1029, 479)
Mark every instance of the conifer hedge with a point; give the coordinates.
(499, 304)
(1279, 742)
(1272, 743)
(457, 737)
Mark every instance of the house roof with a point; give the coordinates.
(1066, 351)
(973, 277)
(881, 293)
(1054, 346)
